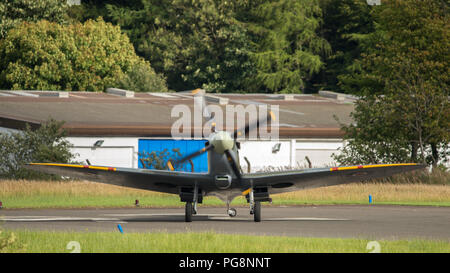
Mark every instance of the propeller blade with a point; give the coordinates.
(233, 163)
(251, 126)
(188, 157)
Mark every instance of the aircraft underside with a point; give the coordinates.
(194, 196)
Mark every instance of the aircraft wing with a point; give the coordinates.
(278, 182)
(154, 180)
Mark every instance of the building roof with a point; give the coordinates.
(149, 114)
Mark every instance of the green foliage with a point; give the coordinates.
(8, 241)
(48, 56)
(46, 144)
(193, 43)
(404, 82)
(13, 12)
(373, 138)
(225, 46)
(142, 78)
(287, 50)
(346, 26)
(159, 159)
(155, 159)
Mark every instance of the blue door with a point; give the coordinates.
(154, 153)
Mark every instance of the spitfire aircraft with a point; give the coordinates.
(225, 178)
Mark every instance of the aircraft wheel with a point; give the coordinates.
(257, 211)
(188, 212)
(232, 212)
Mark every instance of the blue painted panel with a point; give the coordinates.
(184, 147)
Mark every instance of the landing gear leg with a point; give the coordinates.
(194, 209)
(252, 202)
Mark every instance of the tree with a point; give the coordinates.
(142, 78)
(404, 85)
(159, 159)
(48, 56)
(286, 47)
(45, 144)
(193, 43)
(346, 24)
(224, 46)
(13, 12)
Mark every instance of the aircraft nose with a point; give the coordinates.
(222, 141)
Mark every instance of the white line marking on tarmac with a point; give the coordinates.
(306, 219)
(144, 214)
(279, 219)
(157, 214)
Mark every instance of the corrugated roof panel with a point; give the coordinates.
(86, 112)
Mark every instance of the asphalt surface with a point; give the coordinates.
(366, 222)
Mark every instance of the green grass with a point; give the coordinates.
(209, 242)
(40, 202)
(43, 201)
(49, 201)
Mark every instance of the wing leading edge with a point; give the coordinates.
(279, 182)
(154, 180)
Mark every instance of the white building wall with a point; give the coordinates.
(261, 157)
(292, 153)
(115, 151)
(8, 130)
(318, 151)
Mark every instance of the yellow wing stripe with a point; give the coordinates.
(76, 166)
(370, 166)
(246, 191)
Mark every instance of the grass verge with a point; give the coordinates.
(83, 194)
(208, 242)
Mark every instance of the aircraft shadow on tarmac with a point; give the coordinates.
(180, 218)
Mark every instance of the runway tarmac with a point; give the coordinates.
(367, 222)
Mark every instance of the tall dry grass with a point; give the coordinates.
(70, 188)
(423, 176)
(437, 176)
(381, 192)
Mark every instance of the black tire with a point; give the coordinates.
(188, 212)
(257, 211)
